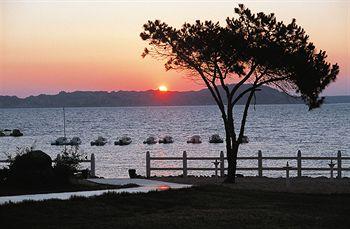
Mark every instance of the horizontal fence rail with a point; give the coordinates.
(91, 161)
(219, 164)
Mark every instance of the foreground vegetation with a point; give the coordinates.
(198, 207)
(31, 171)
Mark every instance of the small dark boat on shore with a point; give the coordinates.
(245, 139)
(195, 139)
(64, 141)
(11, 133)
(100, 141)
(215, 138)
(150, 140)
(125, 140)
(61, 141)
(166, 140)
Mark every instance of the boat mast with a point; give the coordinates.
(64, 122)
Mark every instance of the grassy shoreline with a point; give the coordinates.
(312, 185)
(251, 203)
(208, 206)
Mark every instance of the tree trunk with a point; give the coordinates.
(232, 151)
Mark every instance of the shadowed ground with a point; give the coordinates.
(199, 207)
(318, 185)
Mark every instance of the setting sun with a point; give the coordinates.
(162, 88)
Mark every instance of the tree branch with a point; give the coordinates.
(218, 100)
(222, 108)
(255, 88)
(235, 88)
(245, 115)
(249, 89)
(221, 77)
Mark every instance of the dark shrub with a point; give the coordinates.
(4, 173)
(31, 168)
(63, 173)
(66, 164)
(85, 173)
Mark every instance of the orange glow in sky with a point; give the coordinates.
(163, 88)
(50, 46)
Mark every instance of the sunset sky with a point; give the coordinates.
(51, 46)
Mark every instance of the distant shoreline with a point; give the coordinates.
(160, 106)
(150, 98)
(267, 95)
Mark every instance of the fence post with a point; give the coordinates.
(299, 163)
(148, 165)
(331, 166)
(287, 174)
(216, 163)
(92, 165)
(339, 164)
(287, 170)
(184, 164)
(222, 164)
(260, 171)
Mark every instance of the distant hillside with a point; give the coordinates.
(337, 99)
(141, 98)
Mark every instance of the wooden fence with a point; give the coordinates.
(91, 161)
(219, 164)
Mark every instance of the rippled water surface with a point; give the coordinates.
(277, 130)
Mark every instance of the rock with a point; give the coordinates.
(16, 133)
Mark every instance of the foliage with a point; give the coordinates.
(67, 163)
(70, 157)
(19, 152)
(29, 168)
(4, 174)
(252, 48)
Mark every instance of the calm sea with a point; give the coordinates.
(276, 130)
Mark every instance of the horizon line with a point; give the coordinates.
(111, 91)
